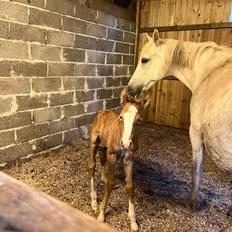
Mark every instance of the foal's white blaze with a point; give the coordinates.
(128, 119)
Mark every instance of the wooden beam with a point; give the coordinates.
(138, 19)
(25, 209)
(112, 9)
(190, 27)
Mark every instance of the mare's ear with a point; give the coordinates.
(155, 37)
(149, 38)
(123, 97)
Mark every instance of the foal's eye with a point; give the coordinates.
(120, 117)
(144, 60)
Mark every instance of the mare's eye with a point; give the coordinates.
(144, 60)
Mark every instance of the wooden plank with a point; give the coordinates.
(112, 9)
(189, 27)
(25, 209)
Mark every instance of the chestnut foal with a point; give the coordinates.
(115, 132)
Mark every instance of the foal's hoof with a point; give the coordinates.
(134, 227)
(94, 205)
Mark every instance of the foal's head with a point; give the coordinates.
(130, 114)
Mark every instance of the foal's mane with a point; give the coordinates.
(186, 53)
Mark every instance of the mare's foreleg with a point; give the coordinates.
(128, 166)
(94, 142)
(198, 152)
(109, 184)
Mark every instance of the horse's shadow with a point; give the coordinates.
(154, 180)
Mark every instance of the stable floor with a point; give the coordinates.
(162, 184)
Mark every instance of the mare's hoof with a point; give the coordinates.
(134, 227)
(101, 217)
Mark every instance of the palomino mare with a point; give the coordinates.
(206, 69)
(115, 131)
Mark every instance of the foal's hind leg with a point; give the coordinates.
(128, 166)
(94, 142)
(109, 184)
(198, 152)
(103, 163)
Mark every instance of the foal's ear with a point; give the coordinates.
(123, 97)
(155, 37)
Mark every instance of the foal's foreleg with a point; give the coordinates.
(109, 184)
(91, 168)
(198, 152)
(128, 166)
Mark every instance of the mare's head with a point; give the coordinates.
(151, 66)
(129, 115)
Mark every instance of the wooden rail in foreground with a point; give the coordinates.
(23, 209)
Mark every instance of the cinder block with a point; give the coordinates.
(4, 29)
(104, 93)
(129, 37)
(13, 12)
(122, 47)
(15, 152)
(112, 103)
(14, 86)
(96, 30)
(112, 81)
(61, 99)
(85, 95)
(123, 24)
(63, 7)
(48, 53)
(71, 135)
(5, 68)
(124, 80)
(31, 102)
(84, 120)
(120, 70)
(60, 38)
(45, 18)
(128, 59)
(86, 13)
(46, 84)
(115, 34)
(60, 69)
(74, 25)
(73, 110)
(61, 125)
(94, 107)
(46, 115)
(94, 83)
(13, 50)
(114, 59)
(15, 120)
(106, 19)
(26, 134)
(85, 70)
(105, 45)
(29, 69)
(6, 104)
(7, 138)
(38, 3)
(73, 55)
(74, 83)
(27, 33)
(48, 142)
(104, 70)
(96, 57)
(85, 42)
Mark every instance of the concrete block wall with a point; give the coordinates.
(60, 63)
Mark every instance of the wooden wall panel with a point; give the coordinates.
(170, 99)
